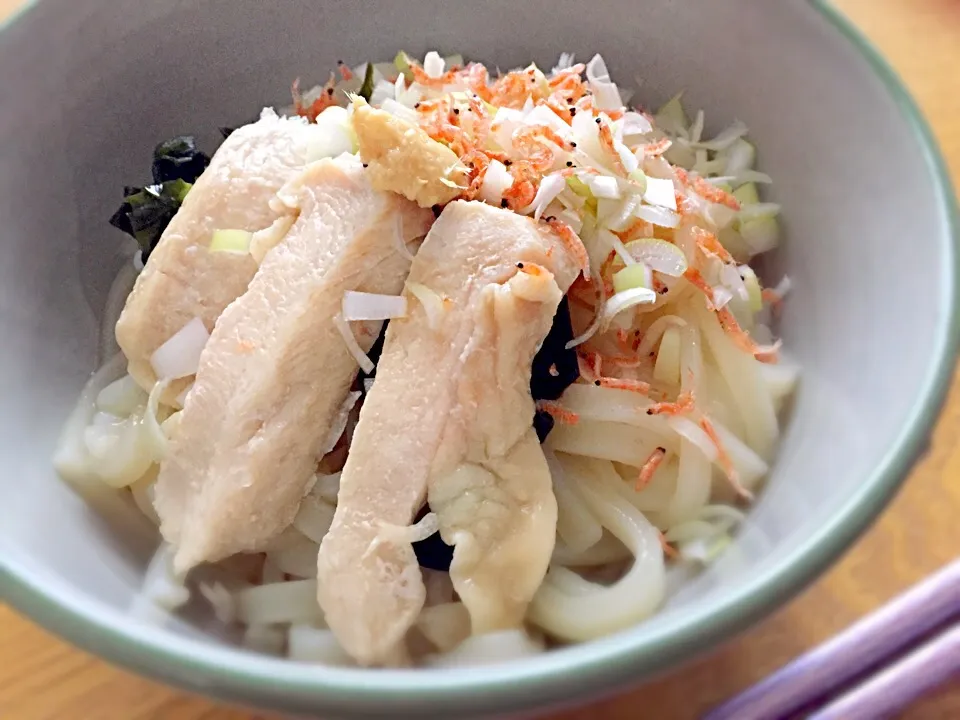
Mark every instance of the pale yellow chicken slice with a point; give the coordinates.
(276, 371)
(182, 278)
(451, 397)
(490, 485)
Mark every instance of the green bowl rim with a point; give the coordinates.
(581, 672)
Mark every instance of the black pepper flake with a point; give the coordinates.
(550, 218)
(570, 100)
(573, 144)
(597, 383)
(662, 449)
(573, 111)
(663, 290)
(597, 121)
(569, 163)
(329, 91)
(339, 62)
(436, 210)
(649, 412)
(653, 353)
(416, 106)
(520, 266)
(504, 203)
(456, 111)
(365, 165)
(508, 163)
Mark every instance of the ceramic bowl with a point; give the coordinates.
(88, 88)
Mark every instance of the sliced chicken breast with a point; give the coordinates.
(182, 279)
(451, 410)
(275, 374)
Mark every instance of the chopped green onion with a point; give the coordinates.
(617, 215)
(660, 255)
(739, 157)
(632, 276)
(682, 155)
(705, 550)
(542, 83)
(747, 194)
(236, 241)
(402, 62)
(579, 186)
(671, 117)
(624, 301)
(667, 367)
(760, 234)
(754, 297)
(640, 178)
(582, 189)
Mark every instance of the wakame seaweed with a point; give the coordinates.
(542, 424)
(366, 90)
(432, 552)
(146, 211)
(178, 159)
(554, 368)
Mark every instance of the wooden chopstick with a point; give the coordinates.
(900, 623)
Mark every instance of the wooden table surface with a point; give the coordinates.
(43, 678)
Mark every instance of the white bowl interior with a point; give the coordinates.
(89, 88)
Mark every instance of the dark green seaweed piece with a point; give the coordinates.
(432, 552)
(555, 367)
(178, 159)
(366, 90)
(146, 212)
